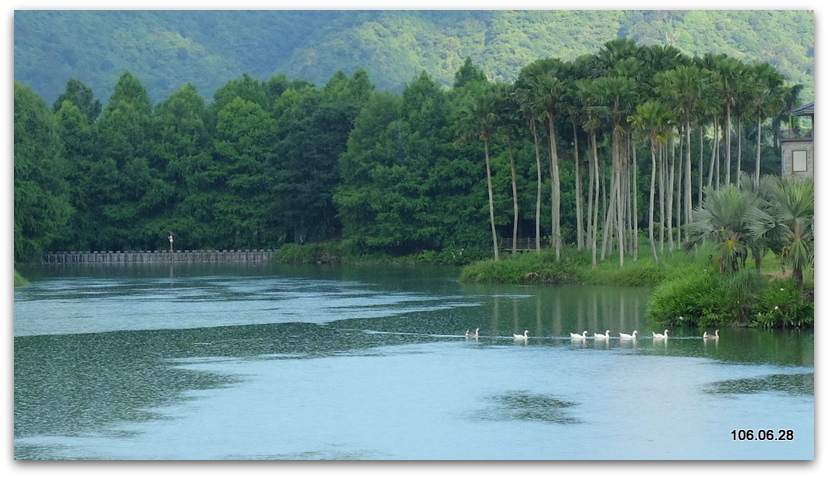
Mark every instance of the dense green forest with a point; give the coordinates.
(167, 49)
(595, 152)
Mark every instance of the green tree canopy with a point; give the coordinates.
(41, 202)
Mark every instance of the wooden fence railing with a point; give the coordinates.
(154, 257)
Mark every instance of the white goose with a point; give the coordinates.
(472, 335)
(707, 336)
(661, 336)
(622, 335)
(578, 336)
(522, 337)
(604, 336)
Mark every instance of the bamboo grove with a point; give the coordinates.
(595, 153)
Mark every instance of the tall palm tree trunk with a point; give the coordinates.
(739, 155)
(491, 199)
(579, 208)
(514, 197)
(679, 184)
(619, 217)
(635, 205)
(554, 174)
(533, 126)
(727, 143)
(662, 181)
(713, 148)
(688, 183)
(671, 174)
(701, 165)
(758, 149)
(651, 226)
(595, 210)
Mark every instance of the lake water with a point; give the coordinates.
(262, 362)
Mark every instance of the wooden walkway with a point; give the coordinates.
(156, 257)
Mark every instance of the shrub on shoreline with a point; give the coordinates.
(19, 280)
(527, 268)
(687, 292)
(313, 253)
(706, 298)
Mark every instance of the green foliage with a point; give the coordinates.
(19, 280)
(703, 298)
(82, 97)
(697, 298)
(278, 162)
(527, 268)
(724, 219)
(313, 253)
(41, 200)
(783, 305)
(645, 274)
(456, 256)
(171, 48)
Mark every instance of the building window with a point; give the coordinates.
(800, 161)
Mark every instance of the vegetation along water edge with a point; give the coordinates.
(637, 164)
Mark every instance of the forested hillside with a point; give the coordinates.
(598, 153)
(167, 49)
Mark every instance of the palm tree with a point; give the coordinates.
(477, 121)
(728, 72)
(546, 91)
(790, 218)
(576, 110)
(614, 51)
(724, 218)
(682, 88)
(587, 98)
(653, 118)
(767, 99)
(616, 95)
(524, 98)
(505, 130)
(790, 99)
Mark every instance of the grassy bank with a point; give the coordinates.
(575, 267)
(688, 290)
(19, 280)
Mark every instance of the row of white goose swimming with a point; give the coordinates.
(606, 335)
(598, 336)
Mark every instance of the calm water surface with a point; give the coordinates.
(371, 363)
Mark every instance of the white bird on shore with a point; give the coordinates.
(604, 336)
(522, 337)
(578, 336)
(711, 337)
(661, 336)
(472, 335)
(622, 335)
